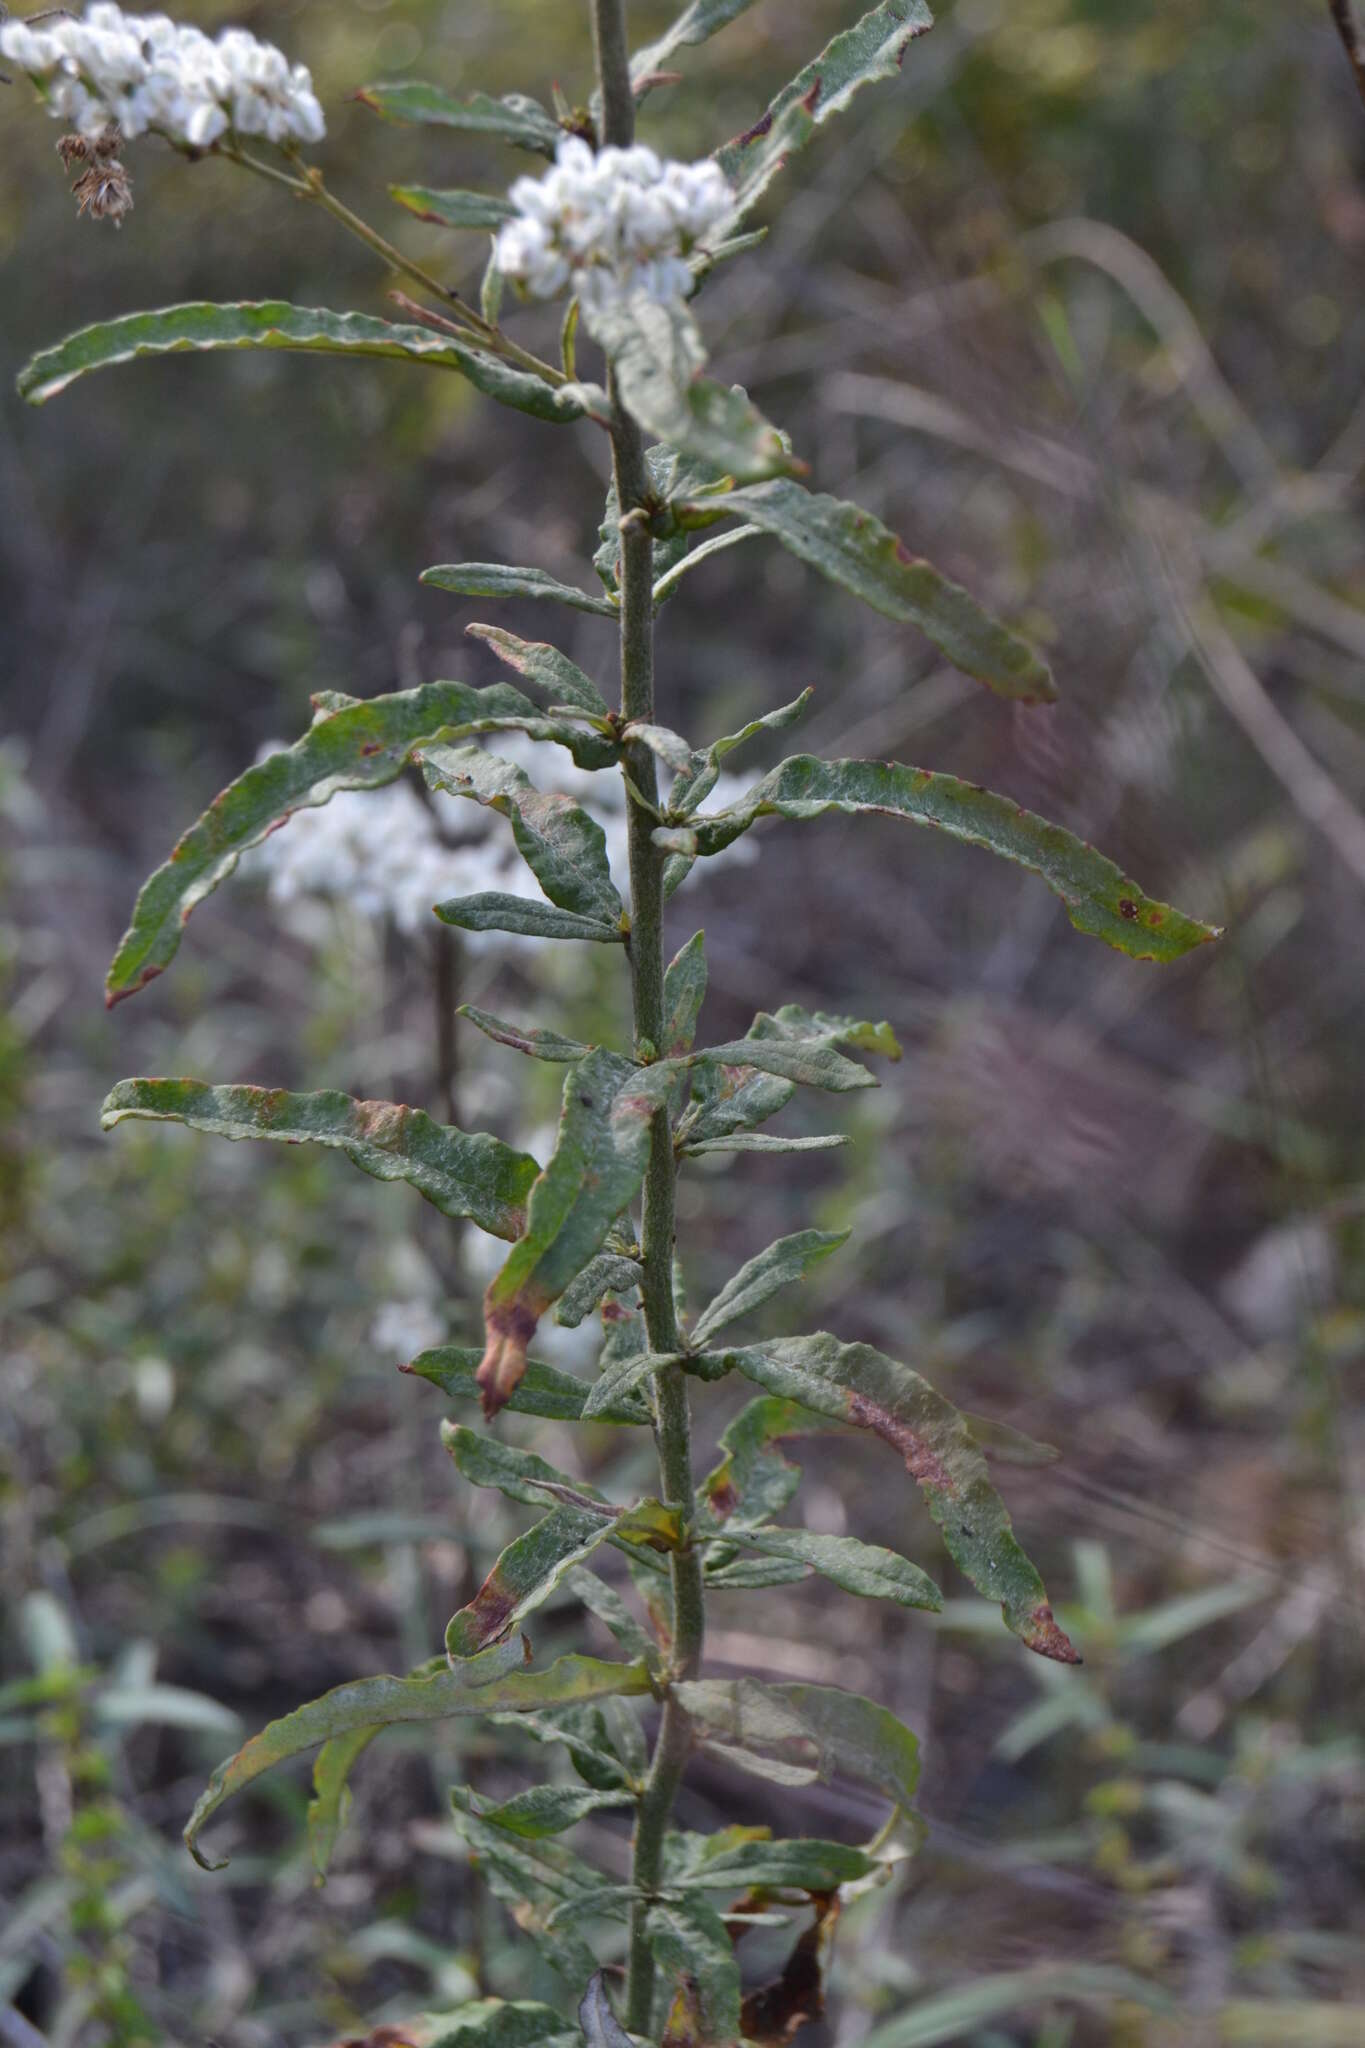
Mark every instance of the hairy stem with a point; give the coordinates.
(671, 1425)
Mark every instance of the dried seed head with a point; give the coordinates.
(103, 190)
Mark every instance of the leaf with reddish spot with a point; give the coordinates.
(448, 209)
(526, 1574)
(854, 1383)
(461, 1174)
(598, 1163)
(563, 680)
(1091, 887)
(693, 1953)
(874, 48)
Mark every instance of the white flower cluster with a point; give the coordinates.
(382, 852)
(610, 223)
(139, 72)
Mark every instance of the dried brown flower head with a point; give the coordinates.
(103, 189)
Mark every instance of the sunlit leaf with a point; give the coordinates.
(273, 324)
(658, 356)
(854, 1383)
(565, 848)
(497, 579)
(493, 910)
(515, 117)
(563, 680)
(852, 548)
(454, 209)
(486, 1684)
(527, 1038)
(872, 49)
(1099, 898)
(810, 1728)
(542, 1389)
(357, 746)
(462, 1175)
(782, 1263)
(598, 1164)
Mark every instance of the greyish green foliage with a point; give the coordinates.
(595, 1225)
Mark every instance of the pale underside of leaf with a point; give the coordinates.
(807, 1728)
(516, 118)
(565, 848)
(499, 579)
(462, 1175)
(273, 324)
(528, 1038)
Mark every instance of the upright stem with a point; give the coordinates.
(671, 1427)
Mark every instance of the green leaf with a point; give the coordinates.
(692, 1947)
(963, 2012)
(542, 1390)
(462, 1175)
(551, 1809)
(496, 579)
(809, 1728)
(811, 1061)
(737, 1574)
(729, 1099)
(787, 1260)
(504, 2023)
(598, 1163)
(521, 1475)
(565, 849)
(525, 1576)
(539, 1881)
(691, 790)
(854, 549)
(853, 1383)
(797, 1865)
(694, 25)
(658, 355)
(1099, 898)
(601, 2028)
(331, 1800)
(608, 1273)
(486, 1684)
(622, 1377)
(271, 323)
(862, 1568)
(684, 994)
(454, 209)
(873, 49)
(553, 672)
(666, 476)
(515, 117)
(495, 911)
(358, 746)
(583, 1732)
(753, 1141)
(606, 1603)
(527, 1038)
(753, 1480)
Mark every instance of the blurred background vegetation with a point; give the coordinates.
(1077, 306)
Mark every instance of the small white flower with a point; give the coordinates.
(610, 224)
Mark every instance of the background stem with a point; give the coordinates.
(671, 1425)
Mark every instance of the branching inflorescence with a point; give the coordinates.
(592, 1226)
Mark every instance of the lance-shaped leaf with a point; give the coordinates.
(563, 680)
(854, 1383)
(527, 1038)
(541, 1882)
(694, 25)
(658, 356)
(598, 1164)
(606, 1603)
(357, 746)
(331, 1800)
(807, 1728)
(608, 1273)
(454, 209)
(622, 1377)
(462, 1175)
(852, 548)
(583, 1732)
(525, 1576)
(275, 325)
(795, 1865)
(737, 1574)
(498, 579)
(490, 1683)
(552, 1809)
(753, 1481)
(692, 1948)
(504, 2023)
(787, 1260)
(601, 2028)
(542, 1390)
(872, 49)
(866, 1569)
(494, 910)
(1099, 897)
(565, 849)
(692, 789)
(754, 1141)
(515, 117)
(684, 994)
(522, 1475)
